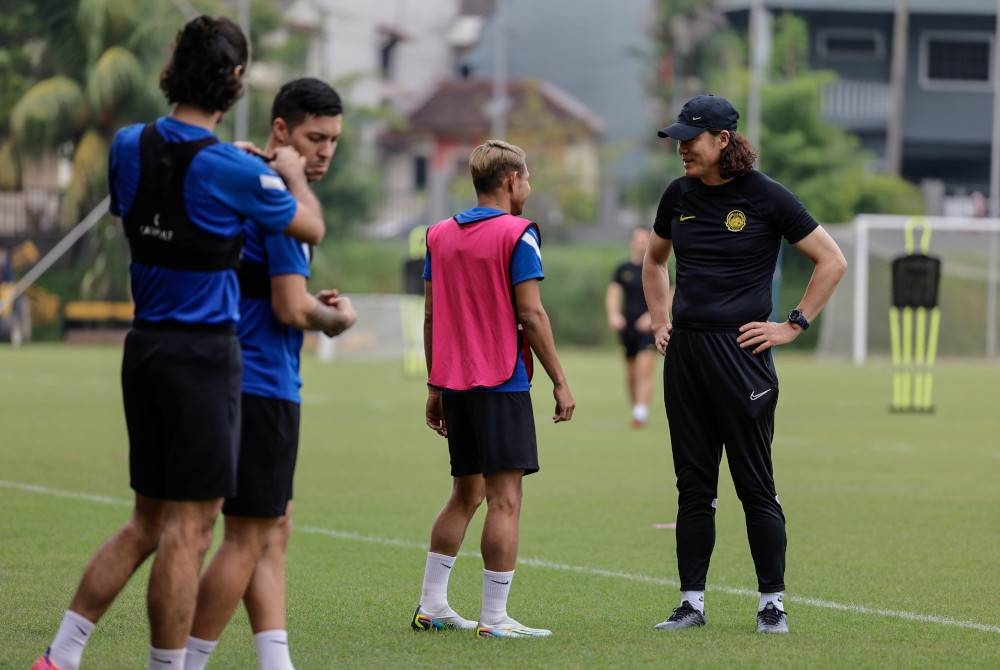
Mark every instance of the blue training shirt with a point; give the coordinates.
(223, 186)
(270, 348)
(525, 264)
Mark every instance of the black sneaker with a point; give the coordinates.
(772, 620)
(684, 616)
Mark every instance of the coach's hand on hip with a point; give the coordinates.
(762, 335)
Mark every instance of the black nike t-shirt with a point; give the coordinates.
(629, 276)
(726, 239)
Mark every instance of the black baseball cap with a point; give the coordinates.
(701, 113)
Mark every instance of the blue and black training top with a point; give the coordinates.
(270, 348)
(220, 188)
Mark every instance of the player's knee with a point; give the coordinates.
(145, 533)
(282, 531)
(470, 501)
(506, 501)
(692, 498)
(249, 535)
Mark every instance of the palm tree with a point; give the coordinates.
(99, 85)
(97, 72)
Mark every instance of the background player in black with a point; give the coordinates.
(625, 305)
(725, 220)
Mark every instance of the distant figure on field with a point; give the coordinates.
(625, 305)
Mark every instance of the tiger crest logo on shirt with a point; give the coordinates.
(736, 221)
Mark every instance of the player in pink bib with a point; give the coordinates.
(483, 319)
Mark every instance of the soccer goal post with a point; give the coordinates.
(968, 249)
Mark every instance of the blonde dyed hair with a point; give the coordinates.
(491, 161)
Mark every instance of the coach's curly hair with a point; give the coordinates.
(202, 68)
(738, 157)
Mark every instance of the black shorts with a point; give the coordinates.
(182, 407)
(490, 432)
(634, 341)
(268, 449)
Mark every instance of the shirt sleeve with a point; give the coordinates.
(286, 256)
(665, 212)
(123, 169)
(789, 215)
(246, 184)
(527, 261)
(616, 276)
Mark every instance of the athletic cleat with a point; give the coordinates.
(43, 662)
(447, 620)
(511, 628)
(684, 616)
(772, 620)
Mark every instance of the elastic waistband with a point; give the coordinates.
(220, 328)
(707, 327)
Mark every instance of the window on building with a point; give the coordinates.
(850, 44)
(956, 61)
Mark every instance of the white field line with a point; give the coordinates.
(563, 567)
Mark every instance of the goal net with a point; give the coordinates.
(855, 324)
(389, 326)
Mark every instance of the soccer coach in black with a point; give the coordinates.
(725, 220)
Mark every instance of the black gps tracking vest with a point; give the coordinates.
(157, 225)
(255, 278)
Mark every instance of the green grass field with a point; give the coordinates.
(893, 525)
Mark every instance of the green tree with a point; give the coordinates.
(92, 82)
(562, 198)
(822, 163)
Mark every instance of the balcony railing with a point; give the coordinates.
(857, 105)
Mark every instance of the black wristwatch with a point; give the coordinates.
(798, 318)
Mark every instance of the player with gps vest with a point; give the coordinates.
(183, 197)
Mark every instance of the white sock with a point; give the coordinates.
(437, 571)
(272, 650)
(775, 598)
(696, 598)
(166, 659)
(640, 413)
(198, 651)
(70, 641)
(496, 589)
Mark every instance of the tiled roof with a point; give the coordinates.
(459, 107)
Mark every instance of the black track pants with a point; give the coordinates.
(718, 395)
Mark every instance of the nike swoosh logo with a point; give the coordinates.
(445, 565)
(696, 118)
(754, 395)
(496, 582)
(163, 661)
(82, 631)
(686, 218)
(279, 642)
